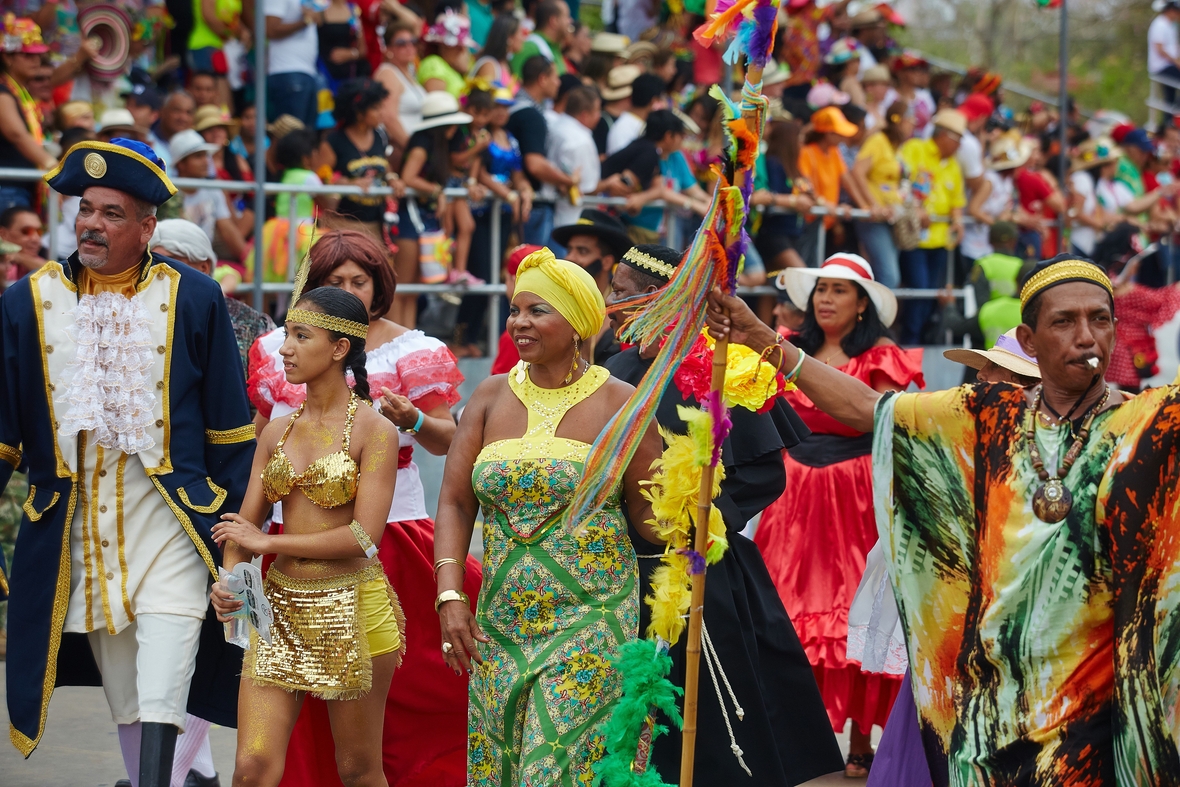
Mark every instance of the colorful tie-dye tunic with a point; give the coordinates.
(1042, 654)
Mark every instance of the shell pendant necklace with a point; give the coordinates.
(1052, 502)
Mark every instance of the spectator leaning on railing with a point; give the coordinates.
(938, 185)
(20, 119)
(526, 122)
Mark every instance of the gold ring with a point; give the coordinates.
(448, 647)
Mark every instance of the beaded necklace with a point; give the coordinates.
(1053, 500)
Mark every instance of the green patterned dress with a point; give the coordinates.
(556, 605)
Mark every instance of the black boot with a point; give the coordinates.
(156, 749)
(197, 780)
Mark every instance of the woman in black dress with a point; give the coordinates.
(342, 44)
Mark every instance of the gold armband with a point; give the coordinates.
(362, 538)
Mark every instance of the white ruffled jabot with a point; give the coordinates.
(109, 381)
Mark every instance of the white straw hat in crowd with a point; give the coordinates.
(609, 43)
(185, 143)
(618, 82)
(1007, 353)
(951, 120)
(799, 282)
(1010, 151)
(118, 120)
(440, 108)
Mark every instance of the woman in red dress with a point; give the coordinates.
(816, 536)
(414, 380)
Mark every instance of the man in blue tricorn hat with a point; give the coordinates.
(120, 392)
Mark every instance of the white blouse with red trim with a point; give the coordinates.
(414, 365)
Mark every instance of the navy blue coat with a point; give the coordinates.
(200, 466)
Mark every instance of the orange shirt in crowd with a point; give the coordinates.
(824, 170)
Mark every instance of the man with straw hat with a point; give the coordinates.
(1033, 543)
(123, 396)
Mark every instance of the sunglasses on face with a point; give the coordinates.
(405, 41)
(29, 232)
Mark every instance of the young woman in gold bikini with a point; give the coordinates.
(337, 632)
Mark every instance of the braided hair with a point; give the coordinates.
(340, 303)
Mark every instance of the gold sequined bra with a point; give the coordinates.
(329, 481)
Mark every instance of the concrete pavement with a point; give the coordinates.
(81, 747)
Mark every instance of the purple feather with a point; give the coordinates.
(696, 561)
(721, 423)
(759, 46)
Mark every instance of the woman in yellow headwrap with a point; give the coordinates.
(558, 598)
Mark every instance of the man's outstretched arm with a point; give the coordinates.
(841, 396)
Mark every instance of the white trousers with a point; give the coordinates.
(147, 667)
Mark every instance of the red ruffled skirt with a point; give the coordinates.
(425, 733)
(814, 540)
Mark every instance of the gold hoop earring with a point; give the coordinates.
(574, 366)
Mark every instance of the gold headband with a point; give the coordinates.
(1068, 270)
(643, 260)
(328, 322)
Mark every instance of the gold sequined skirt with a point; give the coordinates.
(325, 635)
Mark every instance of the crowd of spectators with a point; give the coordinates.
(867, 148)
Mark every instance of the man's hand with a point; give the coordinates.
(945, 297)
(728, 315)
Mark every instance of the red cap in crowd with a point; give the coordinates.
(517, 255)
(977, 106)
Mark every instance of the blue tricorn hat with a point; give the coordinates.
(121, 164)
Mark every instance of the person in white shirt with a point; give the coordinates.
(628, 128)
(292, 48)
(977, 109)
(571, 148)
(1096, 198)
(1163, 48)
(207, 208)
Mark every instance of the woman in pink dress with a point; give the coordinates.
(816, 536)
(414, 380)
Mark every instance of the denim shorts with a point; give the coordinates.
(407, 228)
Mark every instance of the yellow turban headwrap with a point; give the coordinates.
(566, 287)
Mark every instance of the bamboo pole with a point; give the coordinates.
(696, 610)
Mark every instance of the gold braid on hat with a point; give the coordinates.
(644, 260)
(328, 322)
(1061, 272)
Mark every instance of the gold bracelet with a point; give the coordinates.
(363, 539)
(451, 595)
(442, 561)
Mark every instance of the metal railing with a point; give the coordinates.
(494, 289)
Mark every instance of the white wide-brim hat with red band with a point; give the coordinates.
(799, 282)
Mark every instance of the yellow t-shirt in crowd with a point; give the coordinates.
(940, 181)
(884, 176)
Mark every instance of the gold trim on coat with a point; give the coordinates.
(32, 513)
(10, 454)
(218, 497)
(187, 524)
(61, 603)
(230, 436)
